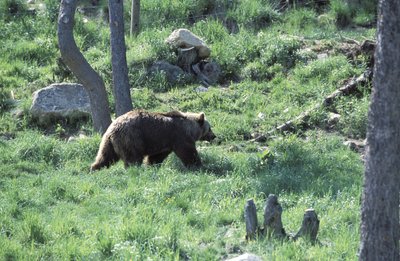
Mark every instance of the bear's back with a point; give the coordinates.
(156, 126)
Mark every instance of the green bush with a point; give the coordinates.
(362, 12)
(254, 15)
(12, 8)
(343, 12)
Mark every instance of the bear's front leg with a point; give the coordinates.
(188, 155)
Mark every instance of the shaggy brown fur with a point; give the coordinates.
(139, 134)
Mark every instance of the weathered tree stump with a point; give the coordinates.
(187, 57)
(273, 218)
(273, 222)
(309, 227)
(250, 216)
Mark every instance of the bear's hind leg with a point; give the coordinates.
(157, 158)
(133, 159)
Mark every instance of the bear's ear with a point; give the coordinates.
(201, 118)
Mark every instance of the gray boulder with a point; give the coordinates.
(174, 74)
(60, 100)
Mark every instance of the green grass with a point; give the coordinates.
(53, 208)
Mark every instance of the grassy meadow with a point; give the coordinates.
(277, 64)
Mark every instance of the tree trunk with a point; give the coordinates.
(380, 200)
(74, 59)
(135, 17)
(122, 96)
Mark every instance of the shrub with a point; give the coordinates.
(347, 12)
(254, 14)
(12, 8)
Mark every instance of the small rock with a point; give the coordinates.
(201, 89)
(246, 257)
(261, 116)
(234, 148)
(322, 56)
(333, 118)
(71, 139)
(75, 138)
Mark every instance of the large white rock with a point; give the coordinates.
(183, 38)
(60, 100)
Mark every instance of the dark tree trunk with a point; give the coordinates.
(380, 200)
(135, 17)
(123, 101)
(74, 59)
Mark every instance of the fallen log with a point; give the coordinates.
(348, 89)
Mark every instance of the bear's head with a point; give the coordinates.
(206, 133)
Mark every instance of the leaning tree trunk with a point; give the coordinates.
(123, 101)
(135, 17)
(74, 59)
(380, 200)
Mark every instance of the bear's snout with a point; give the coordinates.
(209, 136)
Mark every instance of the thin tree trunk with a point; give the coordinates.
(135, 17)
(123, 101)
(380, 200)
(74, 59)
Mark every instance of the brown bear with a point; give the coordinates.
(139, 134)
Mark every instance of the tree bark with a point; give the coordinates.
(380, 199)
(77, 63)
(135, 17)
(122, 96)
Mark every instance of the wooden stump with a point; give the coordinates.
(250, 216)
(309, 227)
(273, 218)
(273, 222)
(187, 57)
